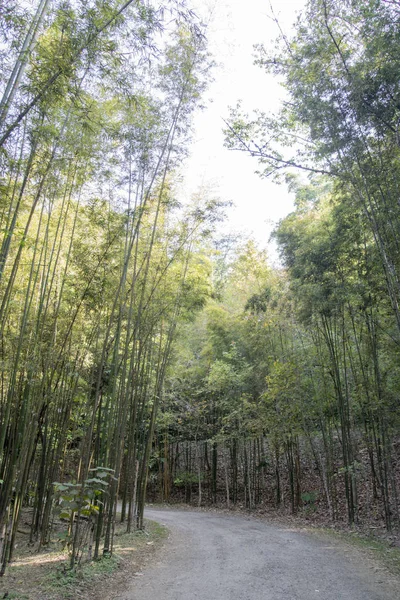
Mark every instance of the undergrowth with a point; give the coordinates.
(48, 577)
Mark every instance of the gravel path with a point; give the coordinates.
(220, 557)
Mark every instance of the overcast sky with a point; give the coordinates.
(237, 25)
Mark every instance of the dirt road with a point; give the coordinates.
(221, 557)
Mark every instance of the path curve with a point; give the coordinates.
(211, 556)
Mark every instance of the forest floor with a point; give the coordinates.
(44, 576)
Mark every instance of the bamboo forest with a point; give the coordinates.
(147, 355)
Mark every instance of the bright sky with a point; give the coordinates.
(235, 27)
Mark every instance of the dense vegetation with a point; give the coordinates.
(291, 380)
(135, 347)
(96, 267)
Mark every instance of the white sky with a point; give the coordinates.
(235, 27)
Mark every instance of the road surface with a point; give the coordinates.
(211, 556)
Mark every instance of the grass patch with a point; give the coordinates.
(377, 549)
(65, 583)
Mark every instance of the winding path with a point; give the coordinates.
(211, 556)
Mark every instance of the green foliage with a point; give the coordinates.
(309, 499)
(75, 500)
(99, 263)
(184, 479)
(65, 582)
